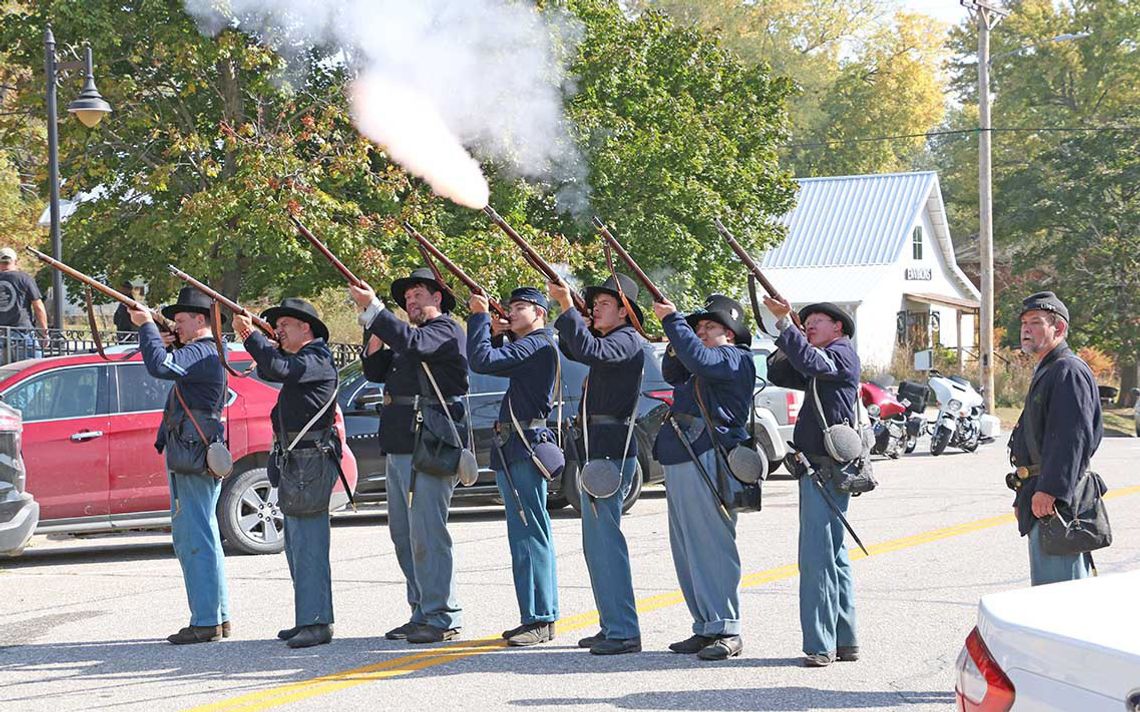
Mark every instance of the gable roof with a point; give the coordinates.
(851, 220)
(861, 221)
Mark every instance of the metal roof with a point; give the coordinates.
(852, 220)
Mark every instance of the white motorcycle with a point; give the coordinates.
(960, 420)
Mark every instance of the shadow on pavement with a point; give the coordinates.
(762, 698)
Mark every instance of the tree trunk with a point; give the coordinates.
(1129, 379)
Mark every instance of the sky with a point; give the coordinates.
(948, 11)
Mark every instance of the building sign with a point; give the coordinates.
(919, 274)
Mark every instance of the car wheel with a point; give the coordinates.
(248, 514)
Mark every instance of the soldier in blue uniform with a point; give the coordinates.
(613, 350)
(418, 526)
(198, 376)
(531, 362)
(708, 351)
(303, 418)
(827, 589)
(1062, 420)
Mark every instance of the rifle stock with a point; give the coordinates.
(326, 252)
(753, 268)
(650, 287)
(429, 251)
(161, 321)
(535, 260)
(224, 301)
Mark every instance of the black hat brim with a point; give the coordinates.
(272, 314)
(399, 286)
(832, 311)
(741, 333)
(170, 310)
(590, 293)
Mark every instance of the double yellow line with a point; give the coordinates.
(403, 665)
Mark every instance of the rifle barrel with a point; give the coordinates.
(223, 300)
(654, 292)
(326, 252)
(753, 267)
(535, 260)
(101, 288)
(428, 249)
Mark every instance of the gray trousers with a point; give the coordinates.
(704, 549)
(423, 544)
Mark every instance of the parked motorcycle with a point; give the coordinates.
(888, 420)
(960, 409)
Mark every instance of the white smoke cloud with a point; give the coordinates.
(437, 76)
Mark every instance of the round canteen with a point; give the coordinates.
(600, 478)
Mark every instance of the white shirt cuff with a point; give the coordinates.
(366, 317)
(784, 323)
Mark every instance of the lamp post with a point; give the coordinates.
(89, 108)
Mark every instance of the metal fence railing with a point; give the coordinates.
(18, 344)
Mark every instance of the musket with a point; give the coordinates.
(754, 269)
(429, 250)
(650, 287)
(159, 320)
(224, 301)
(535, 260)
(328, 254)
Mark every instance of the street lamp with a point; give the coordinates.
(89, 108)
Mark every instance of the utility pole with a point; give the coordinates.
(987, 16)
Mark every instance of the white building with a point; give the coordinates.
(879, 247)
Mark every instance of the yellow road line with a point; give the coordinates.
(334, 682)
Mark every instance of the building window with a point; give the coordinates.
(916, 242)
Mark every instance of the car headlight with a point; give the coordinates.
(955, 404)
(873, 410)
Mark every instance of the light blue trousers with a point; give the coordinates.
(607, 559)
(198, 546)
(704, 549)
(307, 551)
(827, 589)
(1047, 568)
(423, 544)
(532, 546)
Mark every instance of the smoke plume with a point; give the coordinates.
(439, 80)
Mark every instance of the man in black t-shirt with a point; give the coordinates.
(20, 301)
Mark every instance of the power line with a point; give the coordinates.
(955, 132)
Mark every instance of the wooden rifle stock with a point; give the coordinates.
(429, 251)
(328, 254)
(535, 260)
(224, 301)
(650, 287)
(754, 269)
(161, 321)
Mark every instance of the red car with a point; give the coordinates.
(88, 443)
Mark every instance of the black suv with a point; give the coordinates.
(360, 399)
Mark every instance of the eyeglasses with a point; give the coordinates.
(819, 322)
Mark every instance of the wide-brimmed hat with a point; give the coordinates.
(628, 287)
(298, 309)
(423, 275)
(193, 301)
(832, 311)
(530, 294)
(727, 312)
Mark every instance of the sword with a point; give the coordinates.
(802, 460)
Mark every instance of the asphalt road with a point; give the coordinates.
(83, 620)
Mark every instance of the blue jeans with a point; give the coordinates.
(704, 549)
(423, 544)
(307, 551)
(1047, 568)
(607, 559)
(198, 546)
(532, 545)
(827, 589)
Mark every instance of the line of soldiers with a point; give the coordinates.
(423, 363)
